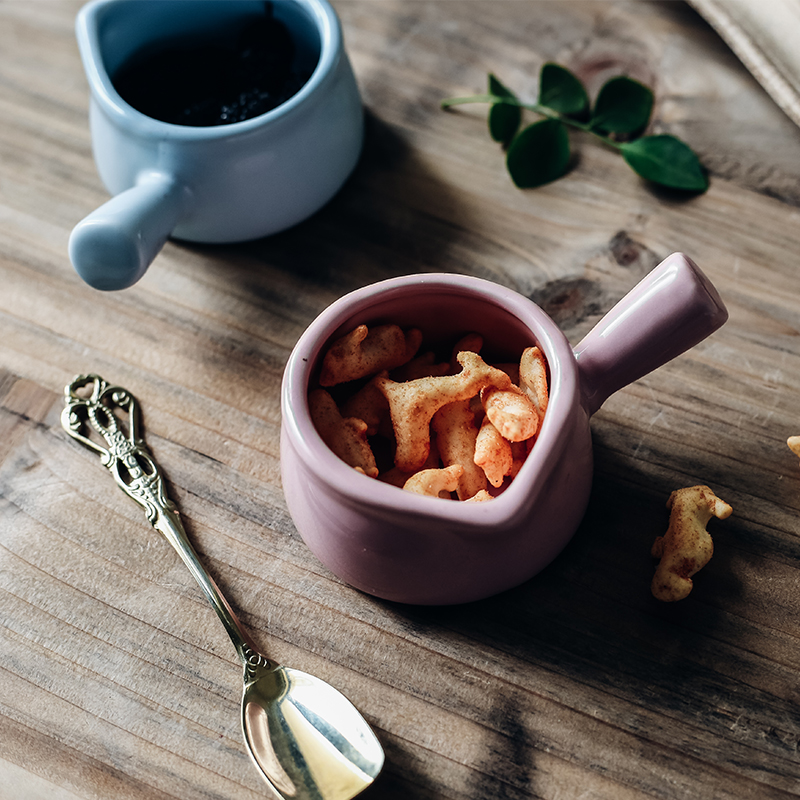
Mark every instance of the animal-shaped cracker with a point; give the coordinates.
(394, 398)
(413, 404)
(456, 433)
(512, 370)
(366, 351)
(367, 404)
(794, 444)
(533, 378)
(434, 482)
(422, 366)
(481, 497)
(493, 453)
(686, 547)
(398, 478)
(519, 453)
(511, 412)
(470, 341)
(347, 437)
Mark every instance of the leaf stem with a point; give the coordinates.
(535, 107)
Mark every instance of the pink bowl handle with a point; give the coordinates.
(669, 311)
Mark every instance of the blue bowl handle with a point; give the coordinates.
(113, 247)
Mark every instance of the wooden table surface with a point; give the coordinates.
(116, 680)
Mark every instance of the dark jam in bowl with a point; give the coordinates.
(242, 74)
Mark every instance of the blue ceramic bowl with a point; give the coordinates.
(222, 183)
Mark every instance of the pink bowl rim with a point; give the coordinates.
(359, 490)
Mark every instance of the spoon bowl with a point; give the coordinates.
(329, 751)
(307, 739)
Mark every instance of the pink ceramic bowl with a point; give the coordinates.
(424, 550)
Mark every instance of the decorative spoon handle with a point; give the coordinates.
(93, 407)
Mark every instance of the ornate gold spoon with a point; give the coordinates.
(305, 737)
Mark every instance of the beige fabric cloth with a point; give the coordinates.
(765, 35)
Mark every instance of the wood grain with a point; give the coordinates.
(116, 679)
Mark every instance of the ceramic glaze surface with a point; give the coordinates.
(423, 550)
(222, 183)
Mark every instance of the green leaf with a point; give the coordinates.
(560, 90)
(622, 106)
(666, 160)
(504, 118)
(538, 154)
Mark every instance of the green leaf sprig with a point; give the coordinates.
(540, 153)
